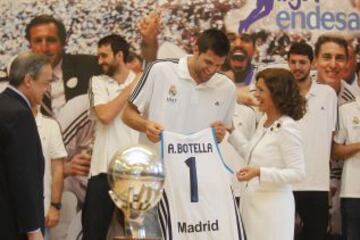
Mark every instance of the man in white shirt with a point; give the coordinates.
(54, 155)
(108, 94)
(311, 195)
(184, 95)
(347, 147)
(331, 59)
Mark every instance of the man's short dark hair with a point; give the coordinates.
(46, 19)
(301, 48)
(246, 37)
(331, 38)
(26, 63)
(132, 56)
(215, 40)
(117, 44)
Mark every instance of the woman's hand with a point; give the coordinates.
(247, 173)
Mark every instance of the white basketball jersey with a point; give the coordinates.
(197, 202)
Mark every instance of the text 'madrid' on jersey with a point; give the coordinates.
(197, 202)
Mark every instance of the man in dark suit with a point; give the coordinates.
(21, 158)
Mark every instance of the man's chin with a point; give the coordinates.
(332, 79)
(54, 60)
(205, 78)
(239, 70)
(301, 79)
(105, 70)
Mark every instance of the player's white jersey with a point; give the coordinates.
(197, 201)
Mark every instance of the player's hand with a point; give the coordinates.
(35, 235)
(153, 131)
(52, 218)
(247, 173)
(149, 27)
(244, 96)
(78, 165)
(220, 131)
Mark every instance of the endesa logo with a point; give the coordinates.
(318, 20)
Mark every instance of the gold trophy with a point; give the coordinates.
(136, 176)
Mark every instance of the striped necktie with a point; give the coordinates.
(46, 108)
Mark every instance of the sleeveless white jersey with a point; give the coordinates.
(197, 202)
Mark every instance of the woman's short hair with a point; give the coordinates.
(284, 91)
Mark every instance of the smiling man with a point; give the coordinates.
(311, 195)
(71, 74)
(108, 94)
(238, 65)
(185, 95)
(331, 58)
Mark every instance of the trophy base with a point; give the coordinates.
(130, 238)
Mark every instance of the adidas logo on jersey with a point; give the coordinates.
(184, 227)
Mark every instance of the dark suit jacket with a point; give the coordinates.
(78, 69)
(21, 169)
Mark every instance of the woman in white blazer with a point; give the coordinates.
(274, 158)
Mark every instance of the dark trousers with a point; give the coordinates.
(98, 208)
(350, 217)
(313, 209)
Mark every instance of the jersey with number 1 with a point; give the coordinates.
(197, 201)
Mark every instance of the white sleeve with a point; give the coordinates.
(143, 91)
(228, 121)
(341, 133)
(98, 93)
(239, 142)
(56, 144)
(245, 120)
(291, 151)
(333, 113)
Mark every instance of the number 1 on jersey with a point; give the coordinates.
(194, 195)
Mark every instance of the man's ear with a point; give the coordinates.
(196, 50)
(120, 56)
(28, 79)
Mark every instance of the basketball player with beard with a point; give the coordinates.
(108, 95)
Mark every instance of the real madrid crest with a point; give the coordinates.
(356, 120)
(172, 90)
(172, 94)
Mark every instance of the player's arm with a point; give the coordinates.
(342, 151)
(132, 118)
(57, 183)
(149, 28)
(245, 96)
(106, 112)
